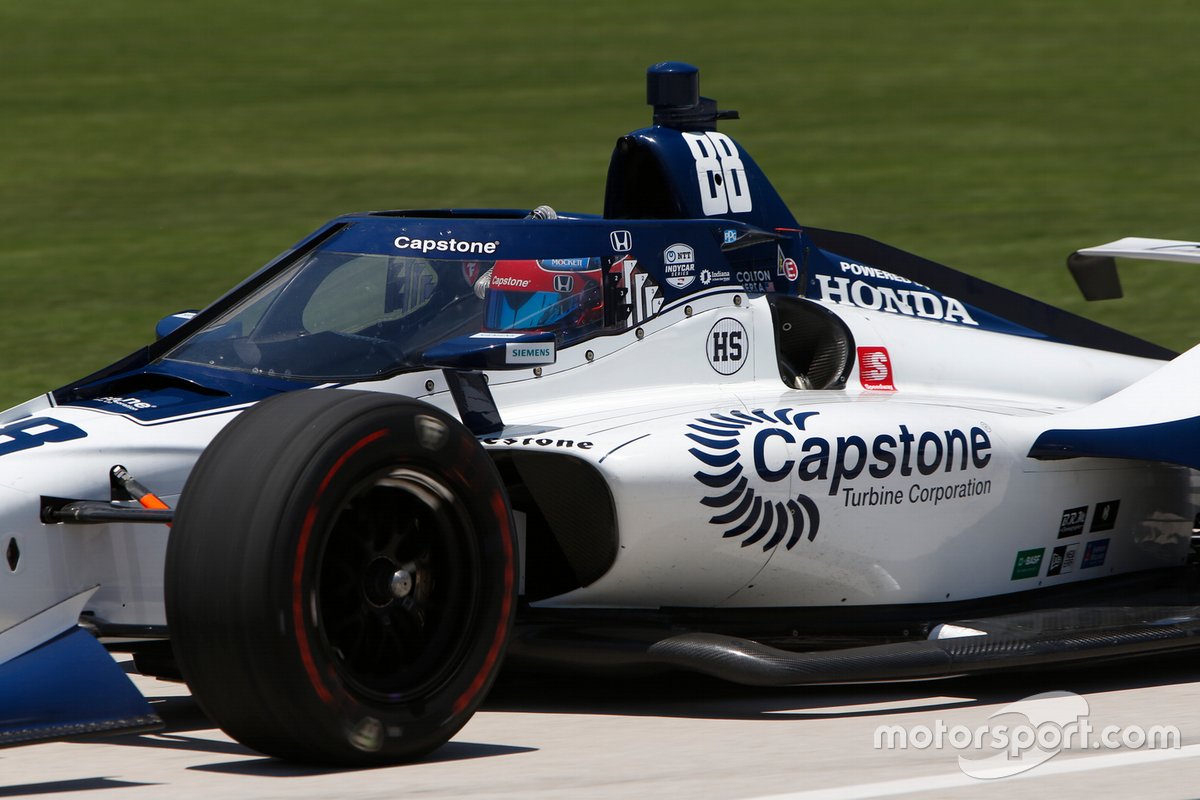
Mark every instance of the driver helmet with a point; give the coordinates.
(562, 295)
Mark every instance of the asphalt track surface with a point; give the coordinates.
(550, 737)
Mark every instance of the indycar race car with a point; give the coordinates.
(688, 434)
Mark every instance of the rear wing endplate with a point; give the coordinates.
(1095, 268)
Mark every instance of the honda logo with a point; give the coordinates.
(622, 241)
(563, 283)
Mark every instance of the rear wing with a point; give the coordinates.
(1095, 268)
(1155, 419)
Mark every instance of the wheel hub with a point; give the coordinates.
(397, 585)
(385, 581)
(401, 584)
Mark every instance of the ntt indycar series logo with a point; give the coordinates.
(750, 459)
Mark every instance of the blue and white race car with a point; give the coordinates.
(687, 434)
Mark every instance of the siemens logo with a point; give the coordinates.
(445, 245)
(529, 354)
(909, 302)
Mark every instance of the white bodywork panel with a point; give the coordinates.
(957, 511)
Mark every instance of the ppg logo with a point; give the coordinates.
(563, 283)
(728, 345)
(622, 241)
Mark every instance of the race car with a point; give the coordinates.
(687, 434)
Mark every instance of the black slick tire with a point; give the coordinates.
(340, 578)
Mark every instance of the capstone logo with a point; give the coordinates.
(518, 283)
(845, 458)
(539, 441)
(907, 302)
(445, 245)
(750, 460)
(740, 510)
(130, 403)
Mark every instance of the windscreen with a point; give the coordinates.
(337, 315)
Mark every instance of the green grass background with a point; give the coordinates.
(151, 154)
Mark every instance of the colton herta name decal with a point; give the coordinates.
(768, 443)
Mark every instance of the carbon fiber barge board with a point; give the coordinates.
(1020, 641)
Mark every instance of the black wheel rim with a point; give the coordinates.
(398, 583)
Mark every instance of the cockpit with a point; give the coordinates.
(340, 315)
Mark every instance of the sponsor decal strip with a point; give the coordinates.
(1072, 522)
(1106, 516)
(1028, 563)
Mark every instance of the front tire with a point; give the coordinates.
(340, 577)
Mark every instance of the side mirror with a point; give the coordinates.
(493, 350)
(169, 324)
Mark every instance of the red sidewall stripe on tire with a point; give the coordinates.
(500, 510)
(337, 465)
(310, 519)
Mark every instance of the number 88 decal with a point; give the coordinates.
(719, 170)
